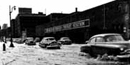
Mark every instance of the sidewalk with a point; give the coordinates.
(5, 55)
(18, 55)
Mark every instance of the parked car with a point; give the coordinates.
(65, 41)
(49, 42)
(18, 40)
(86, 42)
(109, 43)
(30, 41)
(37, 39)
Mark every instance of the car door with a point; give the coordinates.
(88, 47)
(98, 47)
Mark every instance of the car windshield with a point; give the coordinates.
(65, 38)
(29, 38)
(113, 38)
(50, 39)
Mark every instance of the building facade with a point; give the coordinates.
(112, 17)
(5, 26)
(53, 18)
(25, 22)
(5, 33)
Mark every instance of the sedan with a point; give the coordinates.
(108, 43)
(49, 42)
(29, 41)
(65, 41)
(18, 40)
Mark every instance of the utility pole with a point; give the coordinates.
(104, 19)
(10, 11)
(126, 17)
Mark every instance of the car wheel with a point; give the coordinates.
(45, 45)
(58, 48)
(104, 57)
(91, 53)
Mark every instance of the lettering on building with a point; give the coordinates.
(69, 26)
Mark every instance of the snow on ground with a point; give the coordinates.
(23, 54)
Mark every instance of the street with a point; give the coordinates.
(23, 54)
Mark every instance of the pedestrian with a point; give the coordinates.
(4, 47)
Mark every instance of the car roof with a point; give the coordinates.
(105, 34)
(64, 37)
(47, 37)
(29, 38)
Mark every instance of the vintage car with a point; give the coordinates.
(30, 41)
(18, 40)
(108, 43)
(37, 39)
(49, 42)
(65, 41)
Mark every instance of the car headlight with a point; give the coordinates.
(121, 49)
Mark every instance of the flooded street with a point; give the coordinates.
(34, 55)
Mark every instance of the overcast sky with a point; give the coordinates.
(50, 6)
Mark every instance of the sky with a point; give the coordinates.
(46, 6)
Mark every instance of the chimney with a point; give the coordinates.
(76, 9)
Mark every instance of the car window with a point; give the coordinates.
(113, 38)
(92, 41)
(100, 39)
(51, 39)
(66, 38)
(29, 39)
(44, 39)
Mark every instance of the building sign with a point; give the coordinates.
(69, 26)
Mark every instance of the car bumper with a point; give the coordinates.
(30, 43)
(66, 42)
(43, 45)
(53, 46)
(124, 58)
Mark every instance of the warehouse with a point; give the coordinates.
(80, 26)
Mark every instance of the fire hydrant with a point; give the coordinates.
(4, 47)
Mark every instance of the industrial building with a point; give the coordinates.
(112, 17)
(26, 21)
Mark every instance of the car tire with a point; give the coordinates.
(87, 51)
(45, 45)
(58, 48)
(90, 52)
